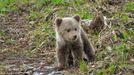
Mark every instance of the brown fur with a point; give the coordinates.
(98, 22)
(71, 42)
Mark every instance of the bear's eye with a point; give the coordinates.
(68, 30)
(75, 29)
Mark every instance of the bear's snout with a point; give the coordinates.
(74, 37)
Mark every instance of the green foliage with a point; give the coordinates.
(100, 55)
(48, 30)
(129, 6)
(122, 50)
(125, 35)
(41, 3)
(101, 72)
(78, 2)
(30, 53)
(34, 15)
(114, 37)
(124, 18)
(85, 14)
(109, 70)
(66, 2)
(9, 42)
(63, 2)
(43, 35)
(130, 32)
(7, 5)
(1, 33)
(83, 66)
(56, 2)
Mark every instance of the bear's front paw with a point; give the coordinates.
(59, 68)
(92, 58)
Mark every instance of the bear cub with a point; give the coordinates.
(71, 42)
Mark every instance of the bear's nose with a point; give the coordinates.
(74, 37)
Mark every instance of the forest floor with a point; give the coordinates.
(27, 37)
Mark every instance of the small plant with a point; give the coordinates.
(125, 36)
(33, 15)
(83, 66)
(130, 32)
(111, 69)
(1, 33)
(129, 6)
(9, 42)
(101, 72)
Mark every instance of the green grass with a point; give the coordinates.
(9, 41)
(129, 6)
(33, 15)
(83, 66)
(108, 70)
(122, 16)
(7, 5)
(1, 33)
(43, 33)
(30, 53)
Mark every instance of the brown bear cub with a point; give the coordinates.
(71, 42)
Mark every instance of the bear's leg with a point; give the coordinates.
(77, 53)
(61, 57)
(70, 59)
(88, 47)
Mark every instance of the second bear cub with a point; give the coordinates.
(71, 42)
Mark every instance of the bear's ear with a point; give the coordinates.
(58, 21)
(77, 18)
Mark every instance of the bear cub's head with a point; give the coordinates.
(68, 28)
